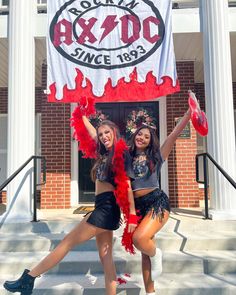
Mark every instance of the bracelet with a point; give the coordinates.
(133, 219)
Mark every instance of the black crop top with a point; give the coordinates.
(100, 171)
(144, 179)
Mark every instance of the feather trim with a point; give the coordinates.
(87, 145)
(121, 191)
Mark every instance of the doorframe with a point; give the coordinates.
(74, 185)
(163, 136)
(75, 163)
(4, 151)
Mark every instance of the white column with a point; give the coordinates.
(21, 109)
(219, 106)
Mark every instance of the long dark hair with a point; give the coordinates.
(101, 150)
(152, 151)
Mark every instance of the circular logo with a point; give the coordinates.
(107, 34)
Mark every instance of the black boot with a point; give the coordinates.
(24, 284)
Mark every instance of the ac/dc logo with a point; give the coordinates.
(107, 34)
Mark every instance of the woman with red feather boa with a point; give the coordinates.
(112, 192)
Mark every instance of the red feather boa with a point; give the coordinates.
(87, 145)
(121, 191)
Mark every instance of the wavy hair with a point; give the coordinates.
(101, 150)
(152, 151)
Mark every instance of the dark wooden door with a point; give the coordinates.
(118, 113)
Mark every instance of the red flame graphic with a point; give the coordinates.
(122, 92)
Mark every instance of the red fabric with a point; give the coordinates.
(123, 91)
(198, 117)
(121, 281)
(87, 145)
(133, 219)
(121, 191)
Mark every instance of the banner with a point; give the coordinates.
(112, 50)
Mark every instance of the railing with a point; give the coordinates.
(205, 180)
(35, 184)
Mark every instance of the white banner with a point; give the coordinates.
(113, 50)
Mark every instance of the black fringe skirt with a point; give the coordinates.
(106, 214)
(156, 202)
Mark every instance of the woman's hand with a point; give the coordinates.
(132, 227)
(132, 222)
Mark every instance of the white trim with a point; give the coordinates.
(38, 145)
(163, 135)
(38, 134)
(74, 187)
(3, 152)
(200, 185)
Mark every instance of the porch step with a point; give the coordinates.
(83, 261)
(176, 224)
(38, 242)
(167, 241)
(168, 284)
(199, 257)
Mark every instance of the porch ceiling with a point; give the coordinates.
(188, 46)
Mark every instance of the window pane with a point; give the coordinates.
(3, 167)
(3, 132)
(5, 2)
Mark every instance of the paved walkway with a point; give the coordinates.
(67, 214)
(194, 214)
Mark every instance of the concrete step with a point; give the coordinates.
(176, 223)
(192, 241)
(38, 242)
(168, 284)
(81, 262)
(167, 241)
(192, 262)
(73, 262)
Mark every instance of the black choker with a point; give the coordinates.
(140, 154)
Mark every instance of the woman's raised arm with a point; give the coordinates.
(91, 130)
(170, 141)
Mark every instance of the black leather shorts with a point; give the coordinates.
(106, 214)
(156, 201)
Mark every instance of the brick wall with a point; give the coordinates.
(56, 147)
(183, 189)
(56, 141)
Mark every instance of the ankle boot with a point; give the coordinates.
(24, 284)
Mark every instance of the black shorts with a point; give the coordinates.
(156, 201)
(106, 214)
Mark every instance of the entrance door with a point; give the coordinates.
(118, 113)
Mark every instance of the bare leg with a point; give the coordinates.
(146, 269)
(104, 243)
(144, 242)
(81, 233)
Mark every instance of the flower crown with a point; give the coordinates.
(97, 118)
(137, 118)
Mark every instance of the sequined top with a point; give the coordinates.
(101, 168)
(143, 178)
